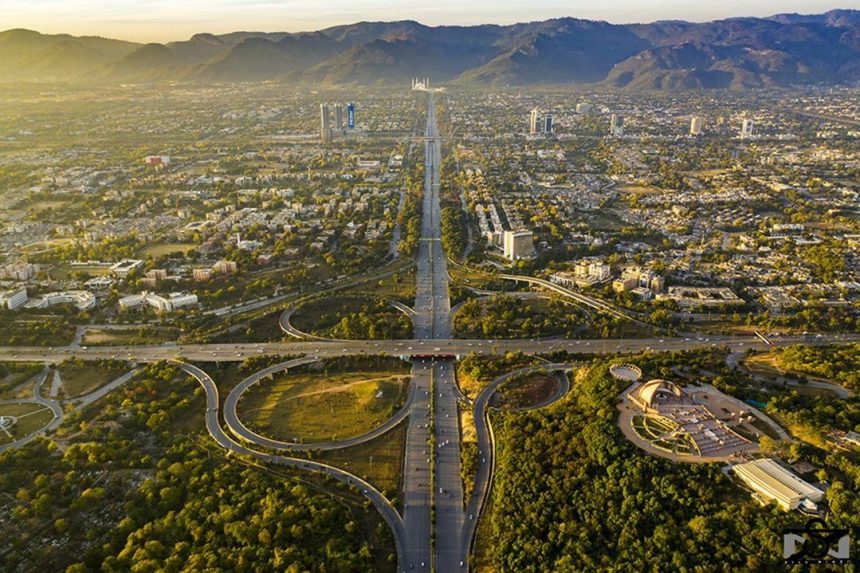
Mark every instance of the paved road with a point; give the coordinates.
(433, 321)
(241, 351)
(87, 399)
(585, 300)
(53, 405)
(389, 513)
(238, 428)
(736, 360)
(487, 446)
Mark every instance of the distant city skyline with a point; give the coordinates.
(165, 20)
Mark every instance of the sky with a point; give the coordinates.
(165, 20)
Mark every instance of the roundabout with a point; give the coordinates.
(350, 317)
(332, 406)
(22, 419)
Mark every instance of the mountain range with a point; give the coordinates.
(779, 51)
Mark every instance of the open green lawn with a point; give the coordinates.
(128, 337)
(527, 391)
(64, 271)
(156, 250)
(398, 286)
(14, 373)
(265, 328)
(317, 407)
(380, 461)
(30, 417)
(83, 376)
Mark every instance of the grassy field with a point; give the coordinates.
(264, 328)
(378, 461)
(156, 250)
(129, 337)
(527, 391)
(767, 364)
(638, 189)
(81, 377)
(66, 270)
(398, 286)
(315, 407)
(30, 417)
(14, 373)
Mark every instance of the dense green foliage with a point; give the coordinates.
(571, 495)
(505, 316)
(838, 363)
(137, 487)
(454, 232)
(353, 318)
(14, 373)
(34, 331)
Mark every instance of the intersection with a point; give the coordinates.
(437, 525)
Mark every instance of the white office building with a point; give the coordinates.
(518, 244)
(534, 122)
(771, 481)
(696, 125)
(747, 129)
(12, 299)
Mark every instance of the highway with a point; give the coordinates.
(431, 467)
(238, 352)
(487, 446)
(450, 554)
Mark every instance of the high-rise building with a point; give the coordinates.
(547, 124)
(534, 122)
(350, 115)
(338, 116)
(696, 125)
(518, 244)
(747, 129)
(13, 299)
(616, 125)
(325, 128)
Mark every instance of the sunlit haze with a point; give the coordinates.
(165, 20)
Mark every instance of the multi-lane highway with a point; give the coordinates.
(239, 352)
(486, 442)
(431, 468)
(450, 554)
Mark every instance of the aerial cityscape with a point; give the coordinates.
(561, 295)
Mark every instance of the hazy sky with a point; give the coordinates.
(162, 20)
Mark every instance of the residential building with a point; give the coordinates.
(325, 128)
(747, 129)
